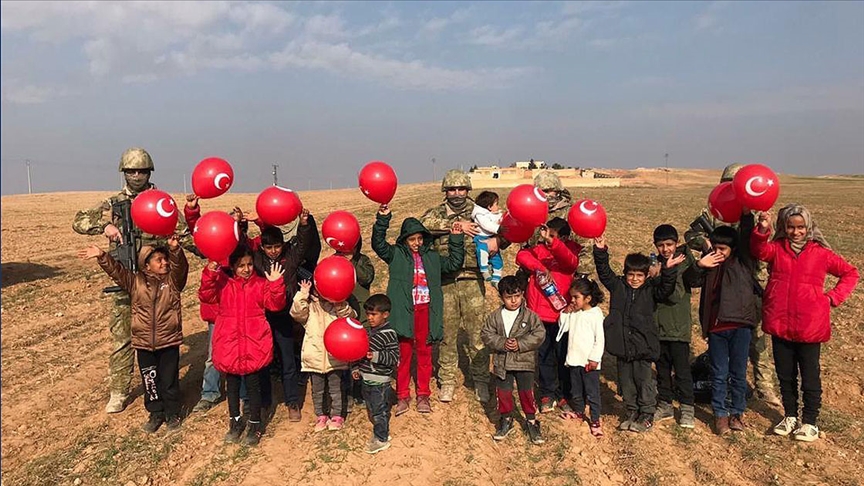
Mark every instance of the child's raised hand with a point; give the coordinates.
(237, 213)
(544, 234)
(674, 260)
(305, 286)
(711, 260)
(304, 217)
(600, 241)
(275, 272)
(174, 242)
(192, 201)
(764, 222)
(384, 209)
(91, 251)
(213, 265)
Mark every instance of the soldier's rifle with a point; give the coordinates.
(126, 251)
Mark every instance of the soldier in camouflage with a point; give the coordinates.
(464, 291)
(136, 166)
(760, 356)
(560, 201)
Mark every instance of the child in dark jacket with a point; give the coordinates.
(674, 323)
(375, 371)
(157, 329)
(797, 311)
(513, 333)
(630, 330)
(418, 301)
(728, 311)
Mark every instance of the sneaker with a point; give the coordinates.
(294, 414)
(335, 423)
(595, 429)
(203, 405)
(505, 427)
(401, 406)
(688, 419)
(642, 424)
(786, 426)
(736, 423)
(321, 423)
(445, 394)
(565, 407)
(721, 425)
(375, 446)
(173, 423)
(253, 434)
(664, 411)
(423, 405)
(235, 430)
(546, 405)
(117, 403)
(359, 402)
(768, 396)
(153, 423)
(534, 434)
(628, 420)
(806, 433)
(482, 393)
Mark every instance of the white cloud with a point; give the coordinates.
(489, 35)
(545, 34)
(29, 94)
(436, 25)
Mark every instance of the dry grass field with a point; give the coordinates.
(55, 345)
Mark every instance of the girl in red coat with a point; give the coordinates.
(796, 309)
(242, 341)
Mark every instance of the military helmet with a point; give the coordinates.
(135, 158)
(548, 181)
(730, 171)
(455, 178)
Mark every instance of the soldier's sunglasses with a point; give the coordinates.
(136, 171)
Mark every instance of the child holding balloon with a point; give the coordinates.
(797, 310)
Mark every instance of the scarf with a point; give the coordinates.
(813, 232)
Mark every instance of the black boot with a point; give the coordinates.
(534, 433)
(505, 426)
(152, 425)
(235, 430)
(253, 433)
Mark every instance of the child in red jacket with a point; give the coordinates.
(557, 258)
(797, 311)
(242, 341)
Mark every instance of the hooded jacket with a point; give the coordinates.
(156, 309)
(528, 331)
(316, 315)
(401, 266)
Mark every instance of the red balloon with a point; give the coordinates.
(756, 187)
(155, 212)
(341, 231)
(277, 205)
(378, 181)
(514, 230)
(587, 218)
(212, 177)
(346, 339)
(216, 235)
(528, 204)
(723, 203)
(334, 278)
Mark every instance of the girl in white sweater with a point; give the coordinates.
(583, 320)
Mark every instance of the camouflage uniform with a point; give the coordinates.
(464, 299)
(549, 181)
(93, 222)
(760, 354)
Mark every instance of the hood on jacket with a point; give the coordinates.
(411, 226)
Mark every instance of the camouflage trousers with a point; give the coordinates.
(760, 358)
(121, 363)
(464, 309)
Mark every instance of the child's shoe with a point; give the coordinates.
(564, 406)
(423, 405)
(235, 430)
(806, 433)
(736, 423)
(664, 411)
(294, 414)
(253, 433)
(153, 423)
(627, 420)
(401, 406)
(375, 446)
(572, 415)
(505, 427)
(642, 424)
(335, 423)
(786, 426)
(534, 434)
(688, 417)
(321, 423)
(721, 425)
(595, 429)
(546, 405)
(173, 423)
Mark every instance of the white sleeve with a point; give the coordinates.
(488, 221)
(563, 325)
(596, 353)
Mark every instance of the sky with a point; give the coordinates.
(322, 88)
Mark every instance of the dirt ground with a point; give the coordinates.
(55, 344)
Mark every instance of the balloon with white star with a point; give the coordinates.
(756, 187)
(341, 231)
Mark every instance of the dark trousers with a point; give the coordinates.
(790, 358)
(586, 387)
(160, 373)
(283, 346)
(728, 351)
(554, 378)
(636, 386)
(525, 385)
(265, 387)
(674, 359)
(377, 398)
(253, 390)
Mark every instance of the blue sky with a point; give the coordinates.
(321, 88)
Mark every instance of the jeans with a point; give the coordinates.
(586, 387)
(160, 374)
(485, 261)
(789, 359)
(424, 357)
(525, 385)
(377, 398)
(283, 341)
(554, 378)
(728, 351)
(674, 357)
(637, 387)
(210, 388)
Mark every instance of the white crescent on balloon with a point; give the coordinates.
(217, 181)
(329, 240)
(162, 212)
(749, 186)
(354, 323)
(585, 210)
(539, 194)
(236, 231)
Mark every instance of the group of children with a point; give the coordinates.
(255, 296)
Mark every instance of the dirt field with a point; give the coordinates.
(55, 345)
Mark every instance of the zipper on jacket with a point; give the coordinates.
(153, 318)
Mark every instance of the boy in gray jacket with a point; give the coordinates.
(513, 333)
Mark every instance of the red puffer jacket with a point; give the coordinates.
(561, 259)
(795, 306)
(242, 342)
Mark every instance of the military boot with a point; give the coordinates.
(117, 403)
(664, 411)
(445, 394)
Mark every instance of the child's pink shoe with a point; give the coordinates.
(595, 428)
(321, 423)
(335, 423)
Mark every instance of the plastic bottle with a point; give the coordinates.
(550, 290)
(654, 260)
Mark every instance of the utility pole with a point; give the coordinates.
(275, 175)
(184, 185)
(667, 168)
(434, 175)
(29, 185)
